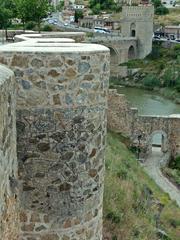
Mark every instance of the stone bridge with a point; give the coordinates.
(121, 49)
(142, 129)
(135, 40)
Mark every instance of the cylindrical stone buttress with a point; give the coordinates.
(61, 128)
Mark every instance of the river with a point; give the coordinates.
(149, 103)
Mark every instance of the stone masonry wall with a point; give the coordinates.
(142, 19)
(9, 225)
(126, 120)
(61, 128)
(119, 113)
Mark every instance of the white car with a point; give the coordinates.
(51, 21)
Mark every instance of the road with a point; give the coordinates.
(152, 167)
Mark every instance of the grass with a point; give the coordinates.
(170, 19)
(132, 200)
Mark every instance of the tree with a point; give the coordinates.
(97, 8)
(98, 5)
(78, 14)
(60, 6)
(32, 10)
(7, 12)
(159, 8)
(41, 9)
(22, 7)
(157, 3)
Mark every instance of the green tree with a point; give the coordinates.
(7, 12)
(157, 3)
(32, 10)
(98, 5)
(22, 7)
(97, 8)
(78, 14)
(159, 8)
(60, 6)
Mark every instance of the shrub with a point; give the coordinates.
(175, 164)
(114, 217)
(114, 237)
(89, 34)
(155, 53)
(177, 87)
(161, 10)
(30, 25)
(176, 50)
(151, 81)
(122, 174)
(47, 28)
(169, 78)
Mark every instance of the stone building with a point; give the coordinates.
(92, 22)
(175, 30)
(138, 22)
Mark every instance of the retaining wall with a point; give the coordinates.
(9, 223)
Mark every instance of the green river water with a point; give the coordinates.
(149, 102)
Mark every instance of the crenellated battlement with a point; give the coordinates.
(138, 12)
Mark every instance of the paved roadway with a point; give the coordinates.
(152, 167)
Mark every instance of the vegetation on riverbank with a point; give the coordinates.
(172, 171)
(158, 71)
(134, 207)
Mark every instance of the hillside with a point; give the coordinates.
(159, 71)
(134, 207)
(170, 19)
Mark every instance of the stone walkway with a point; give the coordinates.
(152, 167)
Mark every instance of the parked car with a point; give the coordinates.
(172, 37)
(50, 21)
(101, 30)
(156, 37)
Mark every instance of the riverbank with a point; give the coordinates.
(159, 72)
(134, 206)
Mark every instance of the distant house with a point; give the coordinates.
(78, 6)
(175, 30)
(92, 22)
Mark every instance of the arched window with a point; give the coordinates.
(133, 30)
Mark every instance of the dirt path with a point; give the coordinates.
(152, 167)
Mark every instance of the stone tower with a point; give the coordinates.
(61, 126)
(137, 22)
